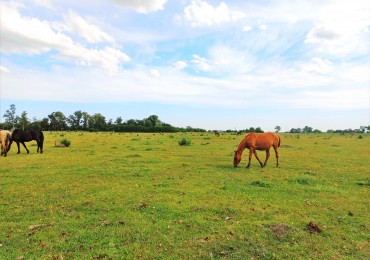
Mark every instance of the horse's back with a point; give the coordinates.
(37, 135)
(262, 140)
(27, 135)
(275, 138)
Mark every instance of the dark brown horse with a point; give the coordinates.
(20, 136)
(261, 142)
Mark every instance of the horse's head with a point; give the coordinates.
(237, 158)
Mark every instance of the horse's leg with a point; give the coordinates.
(250, 157)
(277, 156)
(19, 150)
(25, 147)
(255, 154)
(40, 145)
(267, 157)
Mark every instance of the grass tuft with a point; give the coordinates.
(260, 183)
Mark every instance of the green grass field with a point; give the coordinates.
(142, 196)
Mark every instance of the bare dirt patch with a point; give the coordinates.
(313, 228)
(281, 230)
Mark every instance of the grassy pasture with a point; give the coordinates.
(142, 196)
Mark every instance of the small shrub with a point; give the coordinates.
(360, 137)
(184, 141)
(303, 181)
(365, 182)
(261, 183)
(66, 142)
(133, 156)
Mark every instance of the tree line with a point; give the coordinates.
(83, 121)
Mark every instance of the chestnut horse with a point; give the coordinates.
(5, 141)
(261, 142)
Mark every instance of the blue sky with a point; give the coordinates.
(208, 64)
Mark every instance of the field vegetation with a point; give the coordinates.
(145, 196)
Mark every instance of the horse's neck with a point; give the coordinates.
(242, 146)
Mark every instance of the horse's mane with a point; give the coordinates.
(14, 130)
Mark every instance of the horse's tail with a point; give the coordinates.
(278, 139)
(41, 136)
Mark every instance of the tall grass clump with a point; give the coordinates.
(184, 142)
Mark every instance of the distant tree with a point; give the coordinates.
(296, 130)
(307, 129)
(119, 120)
(363, 129)
(36, 124)
(250, 130)
(259, 130)
(277, 128)
(85, 120)
(57, 121)
(45, 124)
(97, 122)
(23, 121)
(10, 117)
(75, 120)
(152, 121)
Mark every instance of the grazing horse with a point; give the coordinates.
(261, 142)
(20, 136)
(5, 140)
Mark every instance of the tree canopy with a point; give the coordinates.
(83, 121)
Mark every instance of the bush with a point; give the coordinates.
(66, 142)
(184, 141)
(261, 183)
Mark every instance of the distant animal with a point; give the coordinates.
(217, 134)
(261, 142)
(5, 140)
(21, 136)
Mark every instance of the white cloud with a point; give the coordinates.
(200, 13)
(263, 27)
(45, 3)
(318, 65)
(180, 65)
(247, 28)
(201, 63)
(4, 69)
(340, 28)
(108, 58)
(142, 6)
(79, 26)
(340, 99)
(154, 73)
(21, 34)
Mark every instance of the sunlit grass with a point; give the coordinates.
(122, 195)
